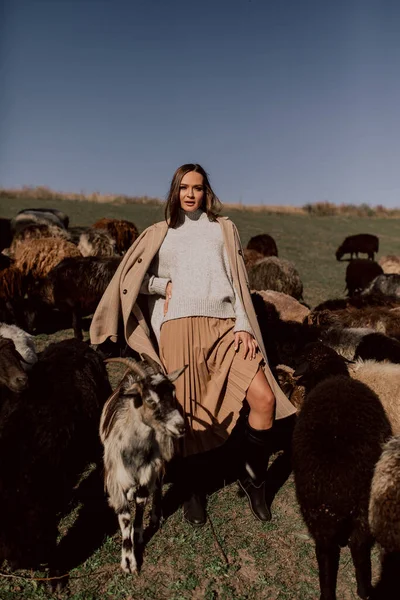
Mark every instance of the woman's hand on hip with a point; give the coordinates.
(168, 296)
(249, 342)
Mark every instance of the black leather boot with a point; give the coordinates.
(194, 509)
(258, 444)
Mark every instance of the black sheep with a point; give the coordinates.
(283, 340)
(359, 274)
(75, 287)
(48, 436)
(264, 244)
(358, 302)
(337, 441)
(361, 242)
(5, 233)
(378, 346)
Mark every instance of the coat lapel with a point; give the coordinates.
(239, 275)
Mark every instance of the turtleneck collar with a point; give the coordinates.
(190, 215)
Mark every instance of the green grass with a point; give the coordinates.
(268, 561)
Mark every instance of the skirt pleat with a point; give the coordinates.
(212, 389)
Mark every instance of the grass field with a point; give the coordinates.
(233, 556)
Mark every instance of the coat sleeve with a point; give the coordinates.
(242, 321)
(105, 322)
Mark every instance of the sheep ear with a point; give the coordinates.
(175, 374)
(302, 369)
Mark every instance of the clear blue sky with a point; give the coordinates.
(282, 101)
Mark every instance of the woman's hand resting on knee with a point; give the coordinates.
(249, 342)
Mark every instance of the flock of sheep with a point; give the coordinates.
(339, 363)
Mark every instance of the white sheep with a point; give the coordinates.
(383, 378)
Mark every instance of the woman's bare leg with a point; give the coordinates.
(261, 401)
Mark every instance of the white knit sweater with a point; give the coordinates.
(194, 258)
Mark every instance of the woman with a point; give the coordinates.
(199, 312)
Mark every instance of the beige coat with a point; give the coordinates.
(120, 299)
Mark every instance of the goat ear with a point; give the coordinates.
(175, 374)
(302, 369)
(133, 390)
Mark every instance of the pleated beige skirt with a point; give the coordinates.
(212, 389)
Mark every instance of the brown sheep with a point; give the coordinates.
(390, 264)
(12, 283)
(289, 309)
(294, 391)
(251, 257)
(38, 257)
(359, 274)
(123, 232)
(264, 244)
(37, 231)
(277, 274)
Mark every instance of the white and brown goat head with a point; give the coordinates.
(152, 393)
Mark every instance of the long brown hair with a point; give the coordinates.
(211, 203)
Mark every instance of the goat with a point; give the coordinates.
(337, 441)
(359, 274)
(123, 232)
(75, 286)
(384, 518)
(277, 274)
(264, 244)
(361, 242)
(137, 427)
(48, 436)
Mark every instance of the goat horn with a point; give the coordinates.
(130, 363)
(152, 363)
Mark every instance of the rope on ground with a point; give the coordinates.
(226, 560)
(55, 577)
